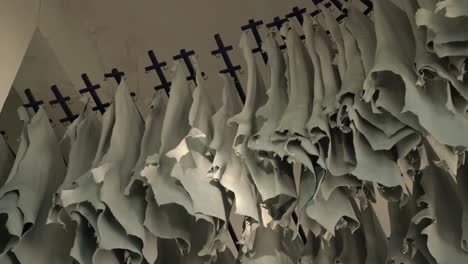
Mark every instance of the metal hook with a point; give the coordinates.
(133, 95)
(217, 55)
(204, 76)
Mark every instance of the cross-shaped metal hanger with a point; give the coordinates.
(278, 23)
(230, 68)
(116, 74)
(298, 13)
(158, 68)
(32, 103)
(253, 26)
(185, 56)
(63, 101)
(91, 89)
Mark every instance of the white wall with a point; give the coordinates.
(17, 23)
